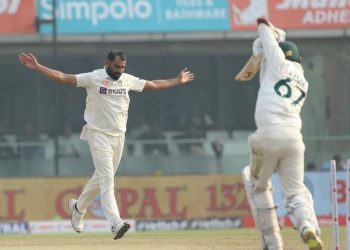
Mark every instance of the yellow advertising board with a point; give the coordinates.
(144, 198)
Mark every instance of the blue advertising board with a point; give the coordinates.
(318, 183)
(135, 16)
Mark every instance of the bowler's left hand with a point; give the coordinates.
(185, 76)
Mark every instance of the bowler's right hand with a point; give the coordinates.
(28, 60)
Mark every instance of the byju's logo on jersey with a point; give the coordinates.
(105, 91)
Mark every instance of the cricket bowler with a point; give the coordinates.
(106, 114)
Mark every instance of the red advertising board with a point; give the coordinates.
(290, 14)
(17, 16)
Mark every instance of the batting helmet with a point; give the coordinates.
(290, 50)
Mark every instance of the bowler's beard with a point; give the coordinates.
(114, 76)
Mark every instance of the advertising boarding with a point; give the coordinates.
(158, 199)
(108, 16)
(290, 14)
(17, 16)
(145, 16)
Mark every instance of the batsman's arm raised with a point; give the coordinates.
(30, 61)
(272, 51)
(183, 77)
(252, 66)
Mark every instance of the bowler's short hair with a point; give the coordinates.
(112, 54)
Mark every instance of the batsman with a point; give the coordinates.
(277, 144)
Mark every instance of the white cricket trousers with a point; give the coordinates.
(106, 154)
(283, 155)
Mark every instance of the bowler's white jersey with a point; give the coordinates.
(283, 88)
(107, 101)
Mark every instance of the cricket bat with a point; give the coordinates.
(252, 66)
(249, 70)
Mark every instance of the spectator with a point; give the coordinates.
(311, 166)
(156, 134)
(29, 143)
(6, 150)
(218, 148)
(193, 132)
(338, 162)
(197, 117)
(68, 144)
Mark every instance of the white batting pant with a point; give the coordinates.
(106, 153)
(264, 213)
(286, 157)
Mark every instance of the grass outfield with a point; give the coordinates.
(167, 240)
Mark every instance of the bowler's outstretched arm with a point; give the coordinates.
(183, 77)
(30, 61)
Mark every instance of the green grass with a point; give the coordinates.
(166, 240)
